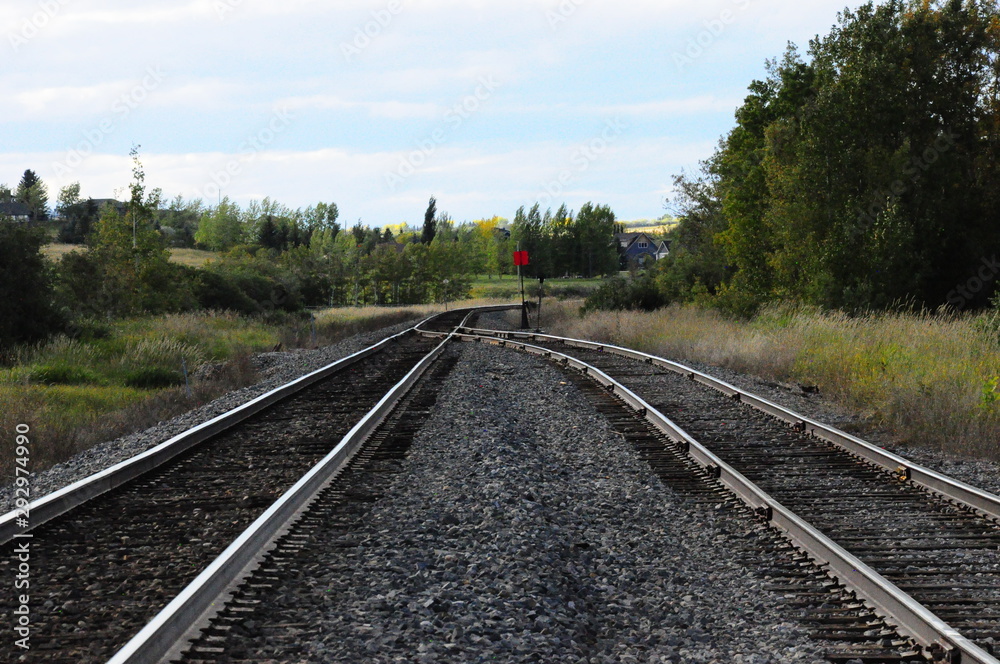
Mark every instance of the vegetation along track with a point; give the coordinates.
(107, 566)
(943, 554)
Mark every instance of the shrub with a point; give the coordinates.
(88, 329)
(27, 311)
(153, 378)
(63, 374)
(620, 294)
(244, 292)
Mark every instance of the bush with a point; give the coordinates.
(63, 374)
(620, 294)
(243, 292)
(88, 329)
(27, 311)
(223, 292)
(153, 378)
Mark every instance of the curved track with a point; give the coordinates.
(105, 567)
(111, 563)
(942, 553)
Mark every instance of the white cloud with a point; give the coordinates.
(383, 109)
(66, 100)
(690, 105)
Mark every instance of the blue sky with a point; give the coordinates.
(485, 104)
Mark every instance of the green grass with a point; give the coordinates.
(933, 380)
(119, 377)
(55, 250)
(508, 288)
(190, 257)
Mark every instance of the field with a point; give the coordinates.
(191, 257)
(54, 251)
(507, 288)
(932, 380)
(653, 227)
(657, 229)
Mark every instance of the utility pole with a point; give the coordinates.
(538, 321)
(521, 260)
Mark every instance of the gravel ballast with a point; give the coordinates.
(980, 473)
(524, 529)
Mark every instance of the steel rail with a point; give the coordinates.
(949, 488)
(166, 635)
(63, 500)
(472, 311)
(940, 641)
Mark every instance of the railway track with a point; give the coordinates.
(939, 548)
(112, 550)
(884, 568)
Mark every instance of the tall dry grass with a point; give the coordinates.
(931, 379)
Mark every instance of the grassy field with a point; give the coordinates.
(54, 251)
(507, 288)
(933, 380)
(655, 229)
(191, 257)
(128, 375)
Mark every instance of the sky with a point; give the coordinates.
(378, 105)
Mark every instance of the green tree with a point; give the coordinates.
(528, 234)
(32, 192)
(221, 228)
(68, 197)
(27, 311)
(565, 238)
(596, 229)
(267, 235)
(430, 222)
(78, 219)
(866, 174)
(696, 266)
(179, 222)
(134, 263)
(322, 217)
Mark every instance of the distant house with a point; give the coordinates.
(15, 210)
(394, 246)
(639, 249)
(101, 203)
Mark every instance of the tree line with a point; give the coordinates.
(270, 259)
(861, 176)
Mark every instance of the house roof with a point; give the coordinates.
(628, 239)
(101, 202)
(15, 209)
(395, 246)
